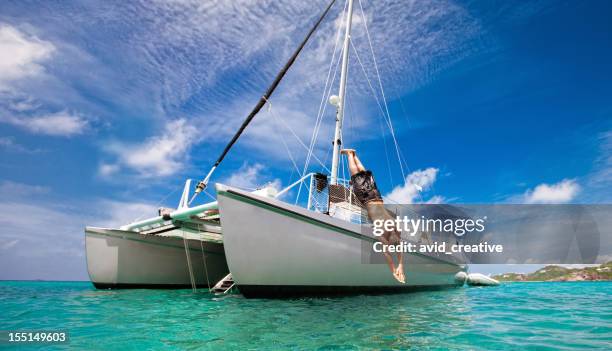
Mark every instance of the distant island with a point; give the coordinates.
(555, 273)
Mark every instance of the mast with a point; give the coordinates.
(341, 94)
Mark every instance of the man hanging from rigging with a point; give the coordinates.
(367, 193)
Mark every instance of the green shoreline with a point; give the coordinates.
(554, 273)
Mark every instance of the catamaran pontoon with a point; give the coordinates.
(178, 249)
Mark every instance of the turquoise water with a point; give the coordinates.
(542, 316)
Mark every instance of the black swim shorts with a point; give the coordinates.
(365, 187)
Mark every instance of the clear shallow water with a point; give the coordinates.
(542, 316)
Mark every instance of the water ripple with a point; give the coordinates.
(543, 316)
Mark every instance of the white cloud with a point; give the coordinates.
(9, 143)
(602, 175)
(45, 229)
(561, 192)
(56, 124)
(251, 177)
(21, 55)
(415, 181)
(118, 213)
(14, 189)
(157, 156)
(8, 244)
(107, 169)
(180, 51)
(49, 236)
(436, 199)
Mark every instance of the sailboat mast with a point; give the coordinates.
(341, 95)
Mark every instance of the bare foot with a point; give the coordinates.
(399, 271)
(347, 151)
(398, 278)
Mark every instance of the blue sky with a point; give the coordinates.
(105, 108)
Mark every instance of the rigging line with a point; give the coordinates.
(322, 104)
(351, 114)
(189, 266)
(382, 115)
(368, 80)
(365, 24)
(320, 119)
(329, 149)
(343, 168)
(277, 118)
(283, 139)
(204, 257)
(209, 195)
(318, 126)
(158, 203)
(202, 184)
(382, 111)
(399, 98)
(384, 138)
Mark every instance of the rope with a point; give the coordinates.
(322, 104)
(379, 107)
(204, 258)
(209, 195)
(284, 142)
(365, 23)
(158, 203)
(278, 118)
(384, 138)
(189, 267)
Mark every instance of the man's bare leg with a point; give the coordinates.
(400, 268)
(387, 255)
(376, 210)
(350, 153)
(400, 264)
(358, 162)
(396, 239)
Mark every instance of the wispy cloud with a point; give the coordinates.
(172, 57)
(10, 189)
(9, 144)
(8, 244)
(117, 213)
(251, 177)
(21, 55)
(49, 237)
(158, 156)
(61, 123)
(415, 184)
(23, 60)
(562, 192)
(601, 177)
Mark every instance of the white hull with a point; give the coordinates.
(273, 248)
(126, 259)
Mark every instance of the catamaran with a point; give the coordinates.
(180, 247)
(256, 241)
(276, 248)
